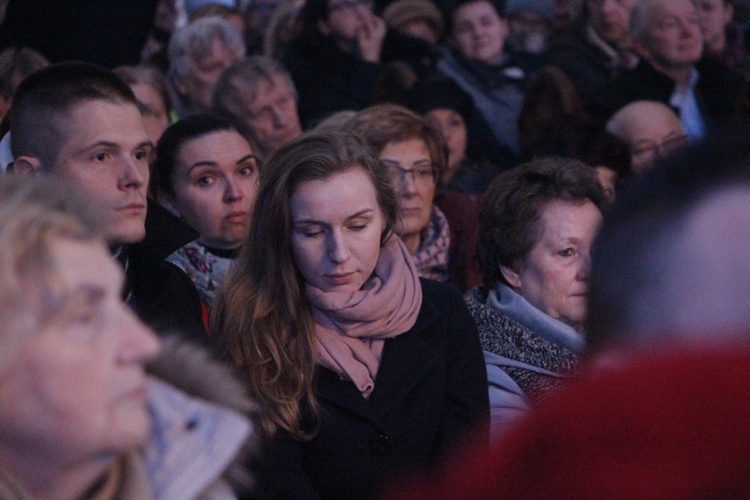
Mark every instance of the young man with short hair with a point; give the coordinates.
(80, 123)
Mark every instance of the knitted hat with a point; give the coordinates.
(402, 12)
(545, 8)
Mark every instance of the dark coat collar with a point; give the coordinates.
(165, 233)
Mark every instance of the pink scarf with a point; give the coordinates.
(351, 327)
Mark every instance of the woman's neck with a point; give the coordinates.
(411, 241)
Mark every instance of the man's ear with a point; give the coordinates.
(27, 165)
(511, 276)
(323, 27)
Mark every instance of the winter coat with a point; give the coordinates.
(202, 433)
(429, 393)
(162, 295)
(721, 93)
(537, 368)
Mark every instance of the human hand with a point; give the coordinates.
(370, 38)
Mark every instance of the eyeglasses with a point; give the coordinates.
(349, 6)
(424, 175)
(647, 150)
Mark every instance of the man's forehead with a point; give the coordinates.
(663, 8)
(91, 122)
(274, 83)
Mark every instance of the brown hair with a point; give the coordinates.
(47, 97)
(261, 315)
(385, 123)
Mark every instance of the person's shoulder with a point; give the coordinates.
(714, 71)
(438, 292)
(200, 412)
(569, 40)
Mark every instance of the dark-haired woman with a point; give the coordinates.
(206, 173)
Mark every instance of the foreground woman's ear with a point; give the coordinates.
(511, 276)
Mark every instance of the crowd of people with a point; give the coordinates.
(357, 249)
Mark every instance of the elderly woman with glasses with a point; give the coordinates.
(415, 154)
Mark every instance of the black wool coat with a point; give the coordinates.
(430, 392)
(722, 93)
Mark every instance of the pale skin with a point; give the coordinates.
(198, 86)
(414, 198)
(673, 42)
(714, 16)
(73, 396)
(355, 28)
(479, 32)
(215, 184)
(453, 128)
(610, 19)
(271, 116)
(337, 230)
(554, 276)
(104, 154)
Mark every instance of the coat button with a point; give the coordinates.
(380, 444)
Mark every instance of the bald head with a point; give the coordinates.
(649, 128)
(671, 263)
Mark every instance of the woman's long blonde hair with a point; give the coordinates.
(261, 316)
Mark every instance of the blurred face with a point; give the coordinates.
(271, 116)
(75, 392)
(153, 110)
(345, 20)
(421, 30)
(479, 32)
(608, 179)
(198, 86)
(337, 224)
(215, 183)
(413, 174)
(453, 128)
(714, 16)
(673, 38)
(105, 154)
(554, 276)
(528, 31)
(653, 137)
(611, 18)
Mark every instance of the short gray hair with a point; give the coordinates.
(242, 77)
(193, 42)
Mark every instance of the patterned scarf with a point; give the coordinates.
(431, 258)
(207, 268)
(351, 327)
